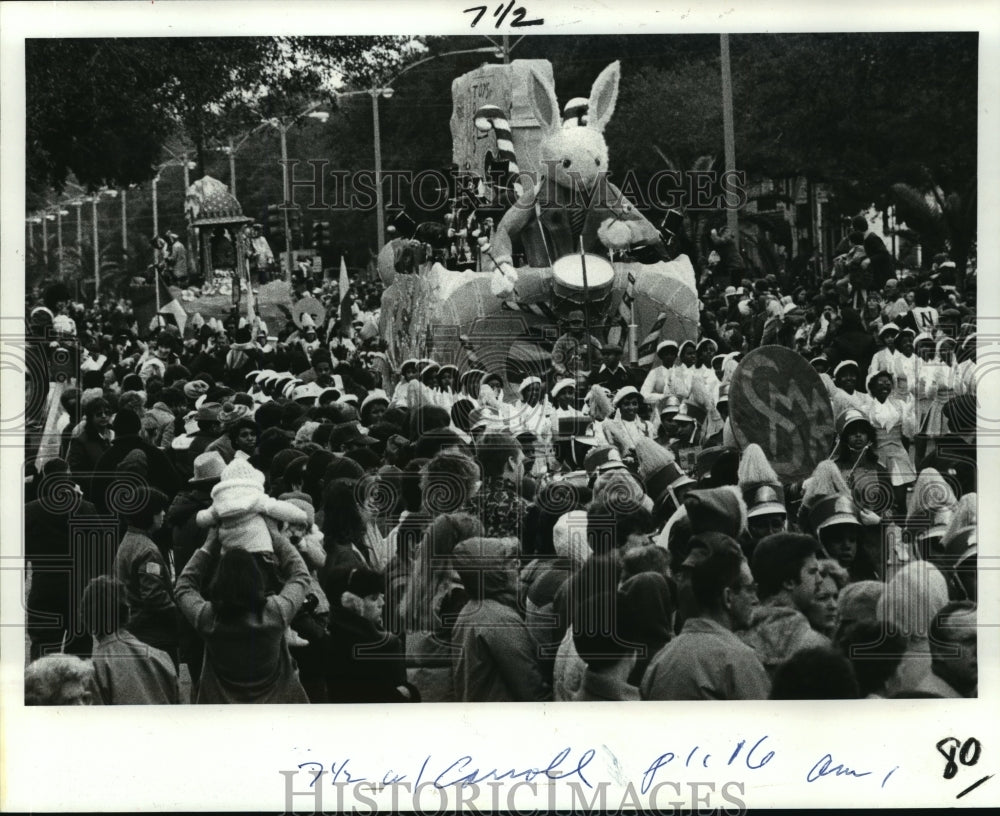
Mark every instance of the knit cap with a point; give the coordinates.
(239, 489)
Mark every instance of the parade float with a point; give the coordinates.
(567, 239)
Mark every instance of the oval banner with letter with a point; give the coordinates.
(777, 400)
(310, 306)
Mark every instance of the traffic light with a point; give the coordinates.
(274, 225)
(321, 234)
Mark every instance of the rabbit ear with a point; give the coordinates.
(603, 96)
(544, 102)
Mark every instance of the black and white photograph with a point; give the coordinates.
(510, 364)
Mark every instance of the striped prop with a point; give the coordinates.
(540, 309)
(620, 331)
(491, 117)
(647, 349)
(575, 112)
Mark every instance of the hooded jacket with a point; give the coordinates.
(777, 632)
(495, 660)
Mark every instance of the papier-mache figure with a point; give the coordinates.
(573, 198)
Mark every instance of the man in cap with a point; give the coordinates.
(186, 448)
(707, 661)
(570, 354)
(611, 374)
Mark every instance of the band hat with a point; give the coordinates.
(263, 375)
(819, 358)
(430, 368)
(764, 500)
(349, 398)
(832, 510)
(561, 385)
(448, 367)
(627, 391)
(842, 365)
(691, 413)
(874, 375)
(334, 394)
(467, 377)
(252, 375)
(599, 456)
(850, 417)
(289, 387)
(720, 358)
(528, 381)
(412, 361)
(888, 327)
(307, 393)
(670, 405)
(665, 344)
(378, 395)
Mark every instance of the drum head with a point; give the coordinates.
(568, 270)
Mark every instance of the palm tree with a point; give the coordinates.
(944, 222)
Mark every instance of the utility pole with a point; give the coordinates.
(732, 221)
(378, 170)
(97, 252)
(283, 129)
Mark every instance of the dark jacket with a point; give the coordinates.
(161, 473)
(186, 535)
(62, 563)
(362, 664)
(83, 453)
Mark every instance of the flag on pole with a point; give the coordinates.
(343, 285)
(168, 305)
(647, 349)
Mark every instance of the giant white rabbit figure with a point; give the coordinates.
(573, 197)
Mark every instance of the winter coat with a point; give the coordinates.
(362, 664)
(777, 632)
(187, 535)
(246, 658)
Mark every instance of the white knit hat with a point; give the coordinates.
(239, 485)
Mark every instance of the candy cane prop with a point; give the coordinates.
(575, 112)
(491, 117)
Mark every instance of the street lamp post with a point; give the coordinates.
(45, 240)
(156, 208)
(387, 92)
(283, 130)
(124, 226)
(378, 168)
(97, 252)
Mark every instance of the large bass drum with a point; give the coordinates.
(567, 283)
